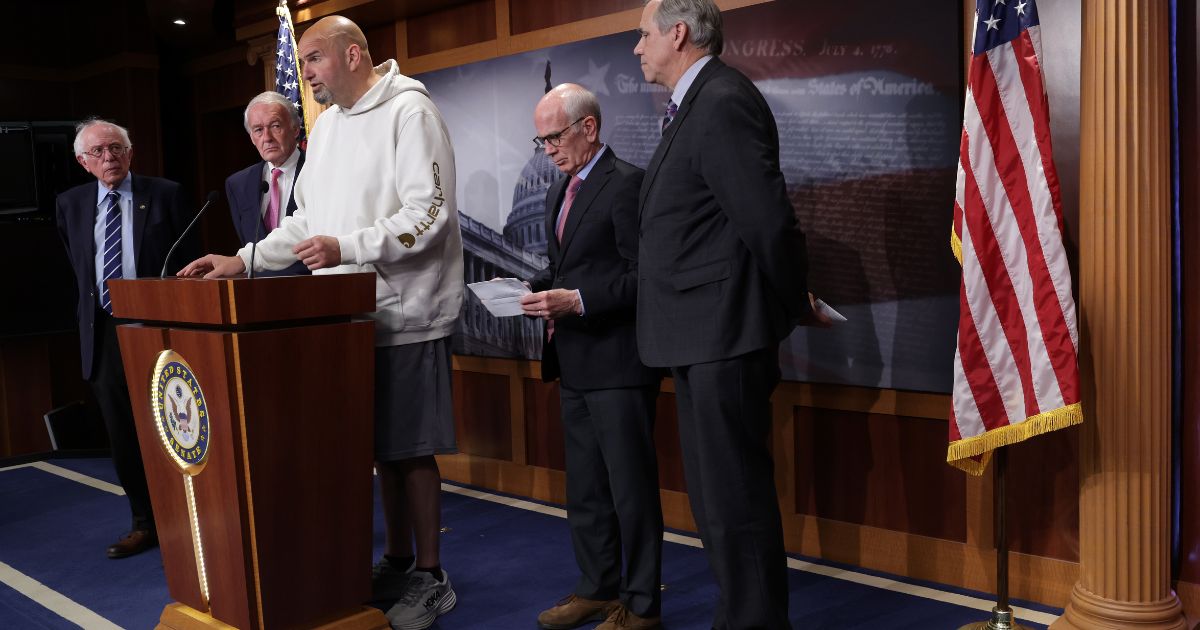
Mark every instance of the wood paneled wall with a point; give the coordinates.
(460, 26)
(532, 15)
(861, 476)
(123, 88)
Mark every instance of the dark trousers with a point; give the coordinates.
(724, 424)
(612, 494)
(112, 394)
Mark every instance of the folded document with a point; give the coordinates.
(501, 296)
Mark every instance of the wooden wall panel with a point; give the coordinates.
(481, 414)
(666, 442)
(223, 148)
(543, 425)
(39, 345)
(531, 15)
(460, 26)
(25, 394)
(130, 97)
(65, 363)
(882, 471)
(228, 86)
(34, 98)
(381, 41)
(1043, 495)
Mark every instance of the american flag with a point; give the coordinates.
(287, 67)
(1015, 370)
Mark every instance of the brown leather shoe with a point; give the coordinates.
(622, 619)
(134, 542)
(573, 611)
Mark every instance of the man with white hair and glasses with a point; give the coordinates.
(120, 226)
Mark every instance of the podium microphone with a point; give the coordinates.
(263, 188)
(212, 196)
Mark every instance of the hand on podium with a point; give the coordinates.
(213, 266)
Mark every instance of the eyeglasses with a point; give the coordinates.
(553, 139)
(114, 149)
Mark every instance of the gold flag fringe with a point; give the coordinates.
(956, 246)
(960, 452)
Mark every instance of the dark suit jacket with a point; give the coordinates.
(243, 189)
(159, 218)
(722, 263)
(598, 256)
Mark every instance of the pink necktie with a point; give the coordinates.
(572, 190)
(272, 221)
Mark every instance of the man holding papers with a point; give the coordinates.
(588, 297)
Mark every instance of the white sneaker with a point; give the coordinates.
(388, 582)
(423, 600)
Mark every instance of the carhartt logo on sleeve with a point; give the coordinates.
(439, 199)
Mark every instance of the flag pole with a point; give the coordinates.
(1002, 615)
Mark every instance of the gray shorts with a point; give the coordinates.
(414, 408)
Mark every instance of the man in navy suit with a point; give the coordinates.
(122, 226)
(260, 195)
(588, 297)
(722, 281)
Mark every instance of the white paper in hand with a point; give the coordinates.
(827, 311)
(501, 297)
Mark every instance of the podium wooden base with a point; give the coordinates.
(180, 617)
(279, 464)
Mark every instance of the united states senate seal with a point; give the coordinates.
(179, 412)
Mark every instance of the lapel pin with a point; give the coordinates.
(141, 206)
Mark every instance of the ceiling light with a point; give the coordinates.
(180, 21)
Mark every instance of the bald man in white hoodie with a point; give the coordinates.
(377, 194)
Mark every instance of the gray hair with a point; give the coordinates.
(271, 97)
(702, 18)
(580, 102)
(92, 122)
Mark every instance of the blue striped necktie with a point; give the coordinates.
(112, 247)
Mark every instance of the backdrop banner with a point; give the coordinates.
(868, 111)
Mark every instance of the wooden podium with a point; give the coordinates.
(253, 401)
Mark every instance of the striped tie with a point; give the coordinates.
(672, 109)
(112, 247)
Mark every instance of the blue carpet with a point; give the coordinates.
(506, 564)
(18, 611)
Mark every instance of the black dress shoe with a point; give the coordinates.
(134, 542)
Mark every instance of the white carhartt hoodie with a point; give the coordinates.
(379, 177)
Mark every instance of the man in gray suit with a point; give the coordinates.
(722, 280)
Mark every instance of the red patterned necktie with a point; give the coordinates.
(572, 190)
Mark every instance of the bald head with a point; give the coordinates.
(574, 101)
(335, 61)
(567, 120)
(338, 29)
